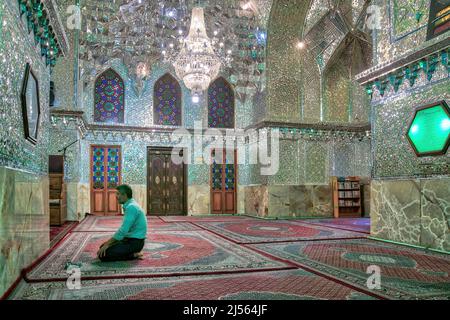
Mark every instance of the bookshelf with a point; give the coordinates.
(57, 188)
(346, 197)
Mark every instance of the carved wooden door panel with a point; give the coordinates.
(166, 184)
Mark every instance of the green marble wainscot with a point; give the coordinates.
(256, 200)
(435, 213)
(198, 199)
(412, 211)
(24, 222)
(300, 201)
(288, 201)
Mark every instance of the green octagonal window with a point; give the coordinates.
(429, 131)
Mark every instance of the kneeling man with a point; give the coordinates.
(128, 242)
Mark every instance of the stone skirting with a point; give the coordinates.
(288, 201)
(24, 222)
(415, 211)
(259, 200)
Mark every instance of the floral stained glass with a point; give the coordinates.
(216, 172)
(220, 105)
(113, 168)
(167, 102)
(98, 162)
(109, 98)
(229, 177)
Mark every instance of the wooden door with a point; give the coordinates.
(166, 183)
(105, 177)
(223, 182)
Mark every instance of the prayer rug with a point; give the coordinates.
(217, 217)
(59, 232)
(111, 224)
(165, 253)
(273, 285)
(351, 224)
(405, 273)
(260, 231)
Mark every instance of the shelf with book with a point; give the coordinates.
(346, 197)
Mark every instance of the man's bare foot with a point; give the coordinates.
(139, 255)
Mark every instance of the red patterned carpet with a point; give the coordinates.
(111, 224)
(406, 273)
(351, 224)
(279, 285)
(204, 218)
(229, 257)
(165, 253)
(259, 231)
(58, 232)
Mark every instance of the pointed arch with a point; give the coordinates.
(167, 101)
(221, 104)
(109, 98)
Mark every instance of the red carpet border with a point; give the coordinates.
(350, 224)
(260, 231)
(111, 224)
(273, 285)
(406, 273)
(165, 253)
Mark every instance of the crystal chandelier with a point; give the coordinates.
(197, 63)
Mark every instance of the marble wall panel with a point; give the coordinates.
(73, 213)
(199, 200)
(435, 213)
(412, 211)
(289, 201)
(240, 200)
(322, 201)
(83, 199)
(24, 222)
(301, 202)
(257, 201)
(279, 201)
(140, 195)
(395, 210)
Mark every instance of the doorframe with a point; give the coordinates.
(223, 181)
(91, 147)
(162, 149)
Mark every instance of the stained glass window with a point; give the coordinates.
(167, 102)
(98, 161)
(109, 98)
(220, 105)
(229, 177)
(216, 174)
(113, 168)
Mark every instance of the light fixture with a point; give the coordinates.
(197, 63)
(301, 45)
(247, 6)
(195, 98)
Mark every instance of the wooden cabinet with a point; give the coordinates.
(57, 199)
(346, 197)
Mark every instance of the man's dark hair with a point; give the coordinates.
(125, 189)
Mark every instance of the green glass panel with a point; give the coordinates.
(430, 129)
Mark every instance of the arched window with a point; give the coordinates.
(220, 104)
(109, 98)
(167, 101)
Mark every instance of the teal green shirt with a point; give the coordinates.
(134, 223)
